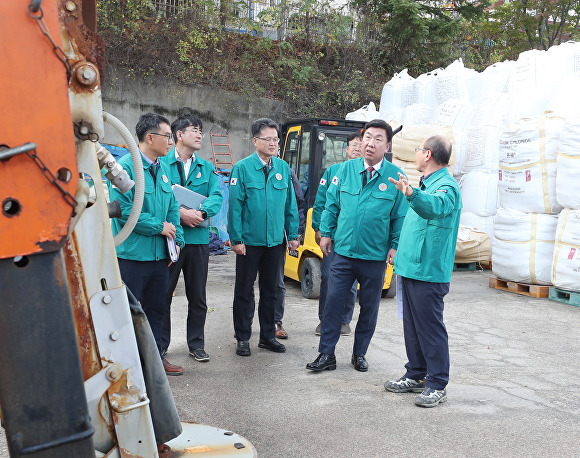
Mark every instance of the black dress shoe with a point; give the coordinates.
(272, 345)
(324, 362)
(243, 348)
(359, 363)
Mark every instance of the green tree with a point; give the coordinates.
(419, 35)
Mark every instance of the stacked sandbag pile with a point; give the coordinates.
(366, 113)
(566, 254)
(531, 100)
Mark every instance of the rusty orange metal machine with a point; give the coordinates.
(77, 375)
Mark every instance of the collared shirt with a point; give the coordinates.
(186, 164)
(269, 163)
(377, 167)
(424, 177)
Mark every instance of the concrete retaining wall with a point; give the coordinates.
(127, 97)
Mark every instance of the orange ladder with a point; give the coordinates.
(222, 152)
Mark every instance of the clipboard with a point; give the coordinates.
(188, 199)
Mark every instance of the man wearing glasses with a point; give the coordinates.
(424, 262)
(262, 212)
(189, 170)
(361, 222)
(143, 256)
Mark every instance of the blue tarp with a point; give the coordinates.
(116, 151)
(220, 220)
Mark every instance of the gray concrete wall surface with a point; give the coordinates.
(513, 392)
(128, 96)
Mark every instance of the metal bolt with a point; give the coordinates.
(86, 74)
(70, 6)
(84, 130)
(107, 299)
(114, 336)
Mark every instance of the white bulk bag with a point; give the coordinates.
(565, 99)
(366, 113)
(455, 82)
(531, 70)
(527, 165)
(453, 112)
(481, 148)
(417, 114)
(424, 86)
(566, 267)
(479, 192)
(398, 93)
(568, 166)
(495, 78)
(483, 223)
(523, 246)
(491, 110)
(563, 60)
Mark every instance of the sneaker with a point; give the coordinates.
(405, 385)
(430, 397)
(317, 330)
(345, 329)
(199, 354)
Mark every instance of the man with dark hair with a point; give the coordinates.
(425, 263)
(363, 216)
(262, 207)
(143, 256)
(353, 151)
(189, 170)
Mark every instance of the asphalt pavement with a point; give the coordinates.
(513, 392)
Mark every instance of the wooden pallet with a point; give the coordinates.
(464, 266)
(567, 297)
(538, 291)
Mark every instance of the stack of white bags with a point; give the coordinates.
(515, 128)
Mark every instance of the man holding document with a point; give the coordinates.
(198, 192)
(143, 257)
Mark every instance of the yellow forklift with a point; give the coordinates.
(310, 146)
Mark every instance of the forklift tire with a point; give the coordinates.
(310, 278)
(392, 291)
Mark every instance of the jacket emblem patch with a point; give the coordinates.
(322, 181)
(233, 181)
(335, 180)
(383, 186)
(278, 176)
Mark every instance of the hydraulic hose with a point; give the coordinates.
(139, 177)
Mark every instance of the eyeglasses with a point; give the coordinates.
(195, 131)
(418, 148)
(167, 136)
(269, 139)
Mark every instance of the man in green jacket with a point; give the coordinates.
(361, 221)
(143, 256)
(262, 212)
(424, 262)
(189, 170)
(353, 151)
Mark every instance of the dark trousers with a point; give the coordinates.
(193, 261)
(280, 289)
(148, 281)
(343, 272)
(265, 261)
(425, 333)
(349, 299)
